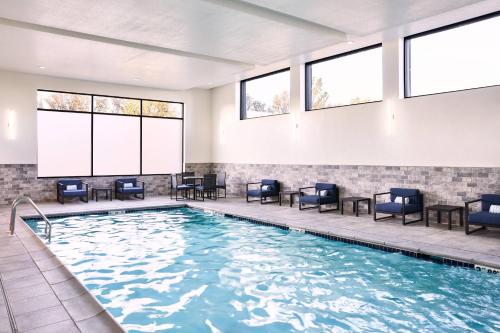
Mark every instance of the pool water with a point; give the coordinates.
(184, 270)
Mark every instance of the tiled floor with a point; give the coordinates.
(45, 297)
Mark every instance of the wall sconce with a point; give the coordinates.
(390, 116)
(11, 125)
(222, 135)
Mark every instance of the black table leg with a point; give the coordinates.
(427, 217)
(342, 207)
(280, 199)
(291, 200)
(369, 206)
(439, 216)
(356, 204)
(461, 212)
(449, 220)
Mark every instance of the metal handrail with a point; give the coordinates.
(21, 199)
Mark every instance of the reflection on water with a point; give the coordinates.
(185, 271)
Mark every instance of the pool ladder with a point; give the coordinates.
(23, 198)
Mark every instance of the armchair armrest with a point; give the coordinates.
(411, 196)
(255, 183)
(301, 193)
(119, 183)
(468, 203)
(378, 194)
(143, 184)
(86, 186)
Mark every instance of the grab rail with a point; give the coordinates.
(21, 199)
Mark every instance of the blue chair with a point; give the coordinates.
(208, 188)
(412, 202)
(325, 194)
(125, 187)
(482, 218)
(72, 188)
(177, 185)
(221, 184)
(268, 188)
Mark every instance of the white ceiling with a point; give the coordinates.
(176, 44)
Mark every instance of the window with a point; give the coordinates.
(49, 100)
(161, 109)
(457, 57)
(116, 105)
(265, 95)
(345, 79)
(92, 135)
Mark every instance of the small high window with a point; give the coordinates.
(457, 57)
(345, 79)
(265, 95)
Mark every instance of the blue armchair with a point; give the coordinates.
(482, 218)
(411, 202)
(268, 188)
(72, 188)
(128, 186)
(325, 194)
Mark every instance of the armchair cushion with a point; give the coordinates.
(131, 190)
(74, 193)
(331, 189)
(65, 182)
(71, 187)
(495, 209)
(403, 192)
(396, 208)
(489, 199)
(317, 200)
(256, 193)
(270, 188)
(484, 218)
(273, 186)
(121, 181)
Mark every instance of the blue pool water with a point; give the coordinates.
(183, 270)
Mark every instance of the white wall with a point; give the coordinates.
(18, 97)
(451, 129)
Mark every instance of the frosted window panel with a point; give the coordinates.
(161, 146)
(460, 58)
(116, 145)
(63, 144)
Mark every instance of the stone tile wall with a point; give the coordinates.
(451, 185)
(17, 179)
(446, 185)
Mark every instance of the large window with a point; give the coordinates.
(265, 95)
(457, 57)
(92, 135)
(345, 79)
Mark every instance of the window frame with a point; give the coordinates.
(308, 77)
(243, 93)
(407, 53)
(92, 113)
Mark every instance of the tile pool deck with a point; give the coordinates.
(45, 297)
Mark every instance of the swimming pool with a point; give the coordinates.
(184, 270)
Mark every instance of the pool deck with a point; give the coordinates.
(41, 295)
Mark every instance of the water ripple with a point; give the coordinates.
(184, 271)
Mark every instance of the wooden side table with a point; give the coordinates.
(444, 209)
(290, 193)
(355, 204)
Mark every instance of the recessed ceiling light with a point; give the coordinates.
(350, 42)
(41, 67)
(135, 78)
